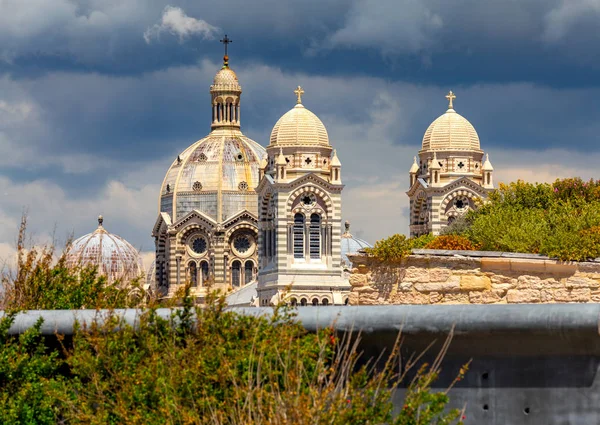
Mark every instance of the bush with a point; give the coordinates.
(201, 365)
(452, 242)
(222, 368)
(396, 247)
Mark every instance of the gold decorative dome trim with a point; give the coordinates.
(299, 127)
(451, 131)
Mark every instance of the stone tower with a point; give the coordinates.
(299, 214)
(206, 230)
(449, 174)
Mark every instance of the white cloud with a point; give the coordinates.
(567, 17)
(392, 26)
(176, 22)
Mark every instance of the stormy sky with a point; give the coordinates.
(98, 96)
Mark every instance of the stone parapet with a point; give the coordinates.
(472, 277)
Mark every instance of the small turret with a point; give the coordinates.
(280, 165)
(414, 170)
(487, 170)
(336, 168)
(434, 172)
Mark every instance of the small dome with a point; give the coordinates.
(299, 127)
(226, 80)
(115, 258)
(350, 244)
(451, 131)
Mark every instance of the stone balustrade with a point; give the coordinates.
(472, 277)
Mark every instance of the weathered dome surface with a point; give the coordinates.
(115, 258)
(226, 80)
(216, 176)
(451, 131)
(350, 244)
(299, 127)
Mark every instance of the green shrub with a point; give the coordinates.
(396, 247)
(452, 242)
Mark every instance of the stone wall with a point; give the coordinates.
(472, 277)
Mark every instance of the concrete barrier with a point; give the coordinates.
(531, 364)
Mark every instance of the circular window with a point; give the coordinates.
(202, 157)
(308, 200)
(197, 186)
(199, 245)
(461, 203)
(243, 186)
(239, 156)
(242, 244)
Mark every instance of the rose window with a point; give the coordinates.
(308, 200)
(243, 186)
(199, 245)
(242, 244)
(461, 203)
(197, 186)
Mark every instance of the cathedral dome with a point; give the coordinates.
(451, 132)
(299, 127)
(115, 258)
(226, 79)
(216, 175)
(350, 244)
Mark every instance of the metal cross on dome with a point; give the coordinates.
(299, 92)
(226, 40)
(450, 96)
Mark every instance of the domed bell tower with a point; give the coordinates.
(299, 207)
(225, 94)
(450, 174)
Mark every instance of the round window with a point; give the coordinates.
(308, 200)
(242, 244)
(199, 245)
(461, 203)
(243, 186)
(197, 186)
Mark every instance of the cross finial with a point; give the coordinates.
(226, 40)
(299, 92)
(100, 220)
(450, 96)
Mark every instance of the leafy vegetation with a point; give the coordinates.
(198, 366)
(560, 220)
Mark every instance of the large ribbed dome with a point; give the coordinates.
(115, 258)
(299, 127)
(216, 176)
(451, 131)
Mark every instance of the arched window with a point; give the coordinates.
(293, 302)
(315, 301)
(303, 302)
(315, 236)
(248, 272)
(236, 269)
(204, 267)
(299, 236)
(192, 273)
(325, 301)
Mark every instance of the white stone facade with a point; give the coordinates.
(449, 175)
(299, 216)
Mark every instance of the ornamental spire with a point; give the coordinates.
(100, 220)
(450, 96)
(226, 40)
(299, 92)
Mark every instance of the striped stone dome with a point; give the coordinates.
(451, 132)
(299, 127)
(114, 257)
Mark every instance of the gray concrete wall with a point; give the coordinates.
(531, 364)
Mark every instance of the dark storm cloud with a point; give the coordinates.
(545, 41)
